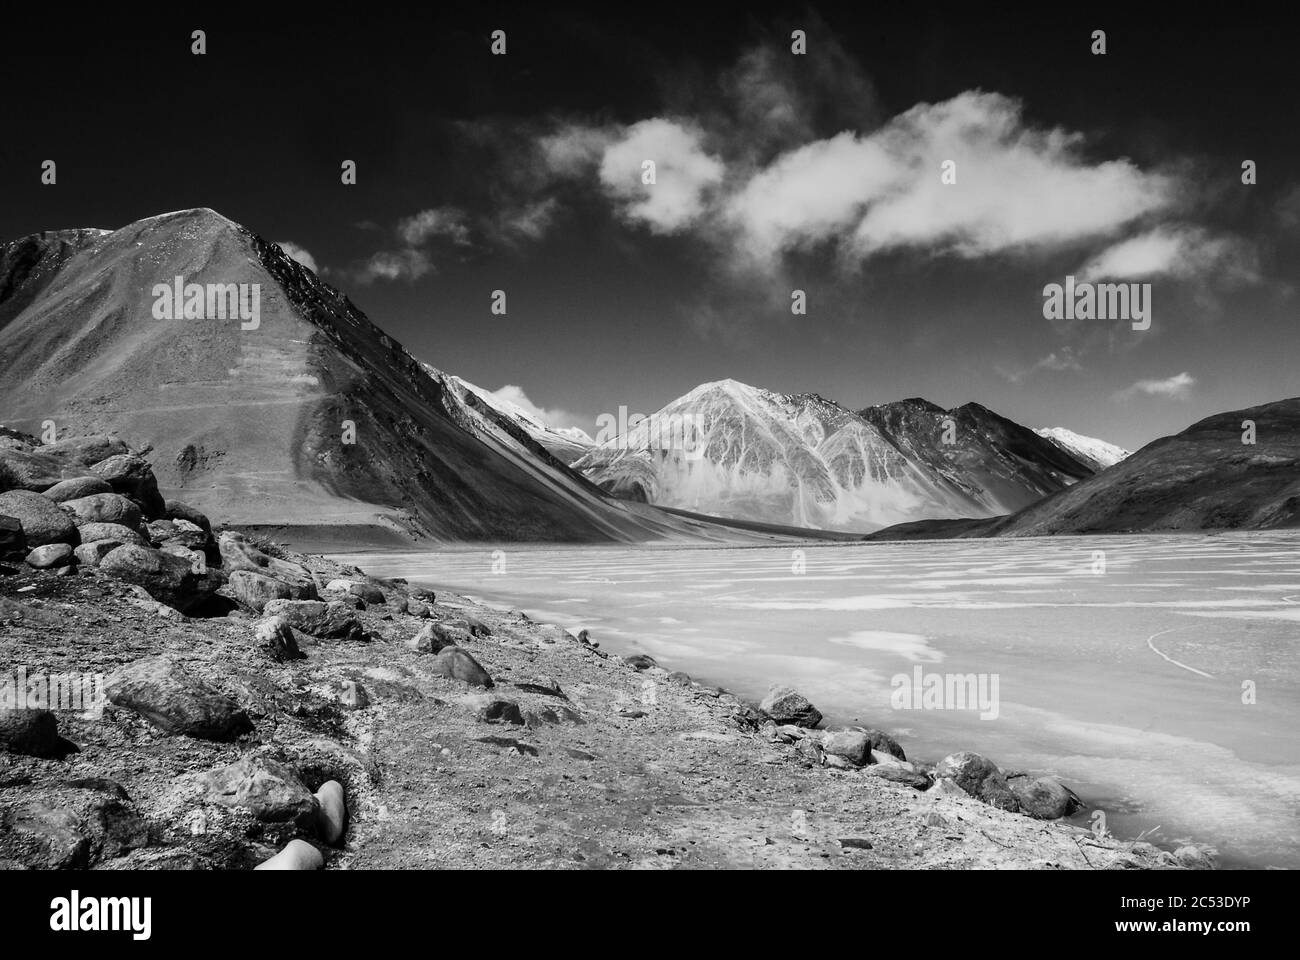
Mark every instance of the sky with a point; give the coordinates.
(774, 172)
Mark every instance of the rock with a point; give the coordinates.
(810, 750)
(276, 635)
(853, 745)
(190, 535)
(903, 773)
(455, 663)
(435, 637)
(424, 594)
(238, 553)
(168, 579)
(541, 716)
(95, 532)
(297, 855)
(133, 478)
(418, 608)
(474, 627)
(942, 787)
(175, 510)
(510, 743)
(325, 620)
(169, 696)
(42, 520)
(160, 531)
(90, 554)
(365, 591)
(256, 590)
(884, 743)
(1194, 858)
(353, 695)
(639, 661)
(1044, 798)
(103, 508)
(13, 541)
(677, 676)
(785, 705)
(996, 792)
(333, 818)
(489, 709)
(855, 843)
(71, 829)
(50, 556)
(34, 733)
(76, 488)
(966, 769)
(264, 789)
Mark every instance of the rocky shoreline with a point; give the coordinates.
(262, 709)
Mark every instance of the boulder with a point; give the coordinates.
(455, 663)
(979, 777)
(543, 716)
(884, 743)
(239, 553)
(434, 637)
(168, 695)
(34, 733)
(333, 817)
(187, 534)
(490, 709)
(640, 661)
(160, 531)
(93, 532)
(103, 508)
(256, 590)
(365, 591)
(13, 541)
(275, 634)
(50, 556)
(91, 554)
(264, 789)
(852, 745)
(297, 855)
(175, 510)
(83, 451)
(133, 478)
(317, 618)
(42, 520)
(76, 488)
(785, 705)
(418, 608)
(168, 579)
(1044, 798)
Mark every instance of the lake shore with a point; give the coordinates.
(573, 758)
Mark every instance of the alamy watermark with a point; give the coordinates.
(946, 691)
(81, 693)
(670, 431)
(212, 301)
(1083, 300)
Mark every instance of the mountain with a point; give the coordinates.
(728, 449)
(1097, 454)
(1204, 478)
(249, 421)
(566, 443)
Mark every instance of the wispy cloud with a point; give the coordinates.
(295, 252)
(1177, 387)
(1065, 360)
(1180, 251)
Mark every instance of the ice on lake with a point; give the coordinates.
(1159, 676)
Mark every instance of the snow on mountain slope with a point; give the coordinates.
(731, 450)
(567, 443)
(1097, 454)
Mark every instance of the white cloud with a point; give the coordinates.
(295, 252)
(1185, 252)
(395, 265)
(683, 173)
(513, 395)
(1065, 360)
(440, 222)
(1017, 188)
(1176, 387)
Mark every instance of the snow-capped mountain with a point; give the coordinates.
(728, 449)
(1097, 454)
(567, 443)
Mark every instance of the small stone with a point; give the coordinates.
(34, 733)
(264, 789)
(785, 705)
(333, 816)
(297, 855)
(50, 556)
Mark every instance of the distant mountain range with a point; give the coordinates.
(313, 418)
(1204, 478)
(806, 461)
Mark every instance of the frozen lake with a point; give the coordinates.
(1124, 664)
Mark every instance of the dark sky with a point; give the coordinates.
(521, 172)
